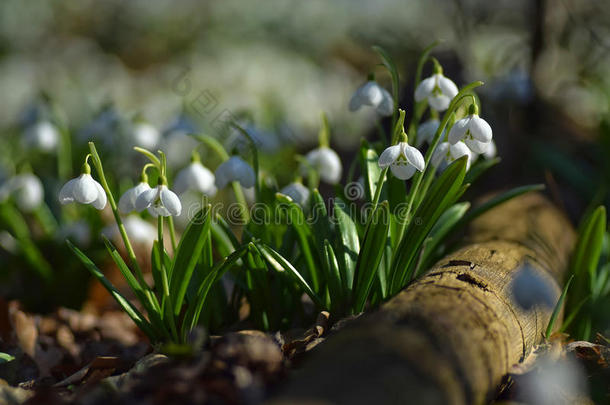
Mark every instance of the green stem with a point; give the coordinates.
(130, 252)
(172, 232)
(241, 200)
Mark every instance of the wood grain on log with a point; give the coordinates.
(451, 336)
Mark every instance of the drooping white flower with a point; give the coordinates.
(160, 201)
(145, 135)
(84, 190)
(426, 131)
(530, 288)
(127, 202)
(469, 129)
(195, 177)
(372, 94)
(297, 191)
(438, 90)
(403, 160)
(43, 136)
(445, 153)
(138, 230)
(326, 162)
(25, 189)
(235, 169)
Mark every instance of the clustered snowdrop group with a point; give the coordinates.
(469, 136)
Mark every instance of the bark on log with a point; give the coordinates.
(450, 337)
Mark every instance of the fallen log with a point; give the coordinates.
(451, 336)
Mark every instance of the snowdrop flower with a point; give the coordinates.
(473, 130)
(195, 177)
(326, 162)
(403, 160)
(426, 131)
(25, 189)
(372, 94)
(42, 135)
(235, 169)
(160, 201)
(437, 89)
(297, 191)
(79, 231)
(177, 142)
(84, 190)
(446, 153)
(138, 231)
(127, 202)
(145, 135)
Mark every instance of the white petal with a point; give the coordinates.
(145, 135)
(439, 102)
(28, 192)
(386, 105)
(298, 192)
(244, 173)
(329, 165)
(414, 156)
(66, 195)
(371, 93)
(195, 177)
(426, 131)
(100, 202)
(146, 198)
(84, 190)
(480, 129)
(477, 146)
(440, 154)
(424, 89)
(458, 130)
(460, 149)
(127, 202)
(403, 171)
(447, 87)
(356, 101)
(491, 151)
(170, 201)
(389, 156)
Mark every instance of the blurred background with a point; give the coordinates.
(276, 65)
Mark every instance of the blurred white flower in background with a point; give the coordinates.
(235, 169)
(530, 288)
(160, 201)
(127, 202)
(326, 163)
(438, 90)
(403, 160)
(553, 382)
(25, 189)
(446, 153)
(84, 190)
(426, 131)
(145, 135)
(195, 177)
(78, 232)
(43, 136)
(177, 142)
(138, 231)
(297, 192)
(372, 94)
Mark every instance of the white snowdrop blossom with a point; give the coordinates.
(326, 162)
(25, 189)
(438, 90)
(473, 130)
(403, 160)
(446, 153)
(235, 169)
(138, 231)
(160, 201)
(426, 131)
(43, 136)
(372, 94)
(195, 177)
(127, 202)
(297, 191)
(84, 190)
(530, 288)
(145, 135)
